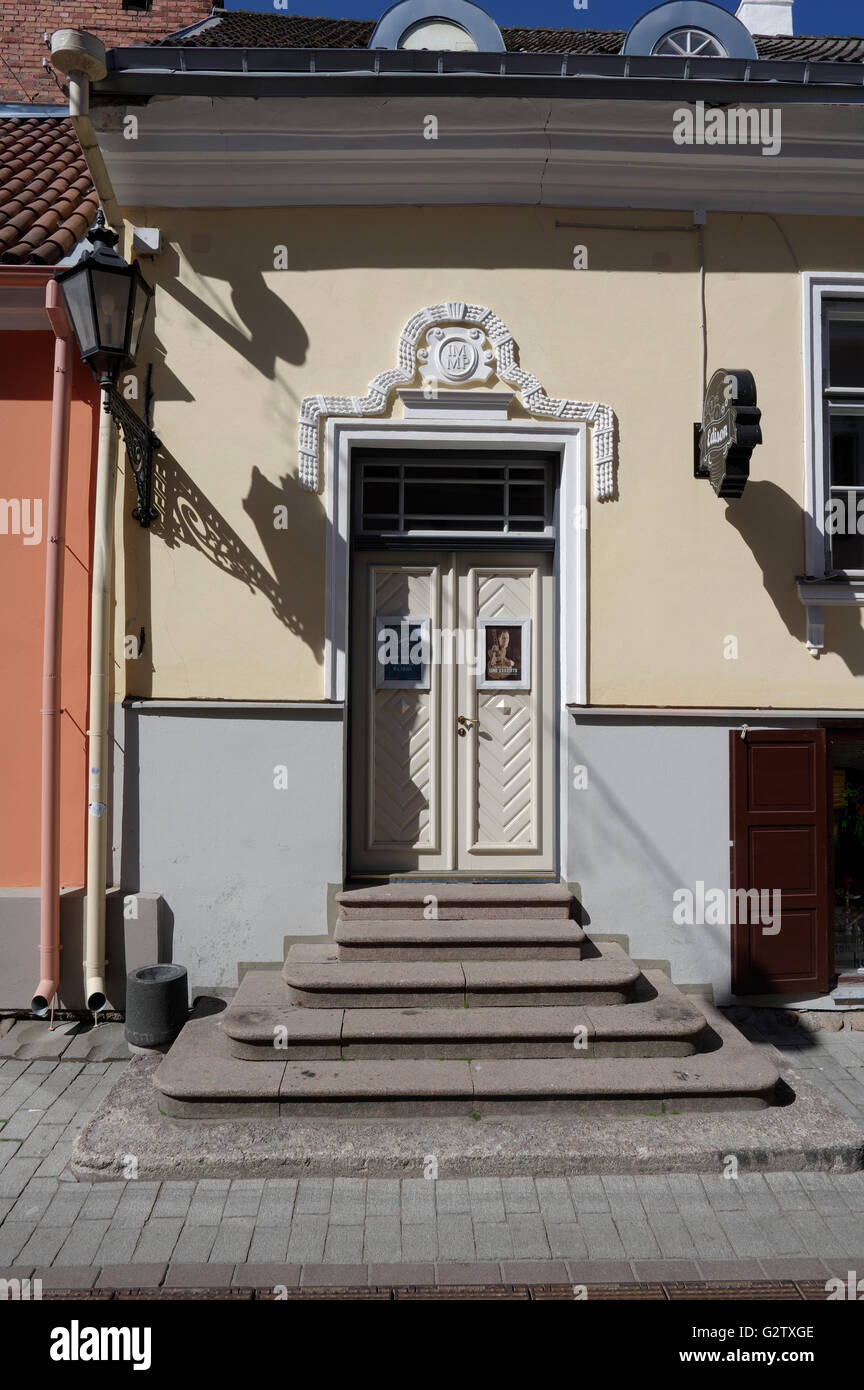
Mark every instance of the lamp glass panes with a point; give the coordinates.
(79, 306)
(107, 300)
(111, 294)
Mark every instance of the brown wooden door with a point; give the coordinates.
(779, 805)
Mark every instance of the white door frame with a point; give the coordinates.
(568, 439)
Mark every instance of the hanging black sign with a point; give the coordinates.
(729, 431)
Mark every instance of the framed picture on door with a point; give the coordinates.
(402, 653)
(503, 653)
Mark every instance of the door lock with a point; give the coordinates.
(464, 724)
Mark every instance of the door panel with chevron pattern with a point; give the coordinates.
(505, 763)
(431, 792)
(402, 746)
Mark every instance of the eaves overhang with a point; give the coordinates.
(272, 72)
(22, 298)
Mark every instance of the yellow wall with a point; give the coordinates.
(674, 571)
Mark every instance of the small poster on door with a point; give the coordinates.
(504, 645)
(401, 653)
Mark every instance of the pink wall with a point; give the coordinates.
(26, 383)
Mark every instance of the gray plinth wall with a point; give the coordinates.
(228, 831)
(234, 813)
(653, 817)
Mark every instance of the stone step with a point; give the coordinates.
(318, 979)
(456, 900)
(468, 939)
(198, 1078)
(261, 1024)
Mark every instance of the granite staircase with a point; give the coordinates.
(499, 1006)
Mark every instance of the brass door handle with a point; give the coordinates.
(464, 724)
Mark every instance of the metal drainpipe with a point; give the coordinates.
(49, 936)
(97, 733)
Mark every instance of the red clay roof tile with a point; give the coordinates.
(47, 198)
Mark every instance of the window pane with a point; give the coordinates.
(847, 551)
(846, 347)
(474, 499)
(847, 471)
(437, 33)
(447, 522)
(460, 472)
(527, 499)
(381, 497)
(847, 450)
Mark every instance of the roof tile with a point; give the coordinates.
(47, 199)
(251, 29)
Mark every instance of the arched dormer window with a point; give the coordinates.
(445, 25)
(689, 29)
(689, 43)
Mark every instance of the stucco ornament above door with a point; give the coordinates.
(456, 356)
(453, 345)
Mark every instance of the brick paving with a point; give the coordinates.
(489, 1232)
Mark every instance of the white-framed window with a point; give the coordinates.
(834, 445)
(843, 407)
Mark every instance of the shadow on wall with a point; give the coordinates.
(272, 329)
(232, 303)
(188, 517)
(772, 525)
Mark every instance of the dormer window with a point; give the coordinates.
(448, 26)
(689, 43)
(689, 29)
(438, 33)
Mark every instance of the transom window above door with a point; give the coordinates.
(426, 492)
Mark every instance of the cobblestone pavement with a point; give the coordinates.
(780, 1225)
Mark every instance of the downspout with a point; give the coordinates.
(49, 931)
(81, 57)
(97, 732)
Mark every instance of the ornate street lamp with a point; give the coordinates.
(107, 301)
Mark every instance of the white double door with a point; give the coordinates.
(453, 719)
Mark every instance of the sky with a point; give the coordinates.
(810, 16)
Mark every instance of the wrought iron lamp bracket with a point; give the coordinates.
(141, 443)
